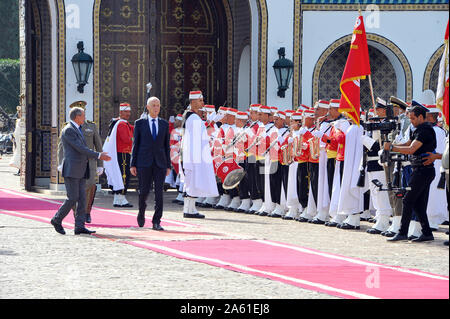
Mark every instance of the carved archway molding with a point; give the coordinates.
(427, 75)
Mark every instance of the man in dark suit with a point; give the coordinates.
(150, 159)
(75, 170)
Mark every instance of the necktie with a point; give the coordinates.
(81, 132)
(154, 129)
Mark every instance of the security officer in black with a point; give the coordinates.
(422, 140)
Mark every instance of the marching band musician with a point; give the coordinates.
(278, 171)
(262, 161)
(252, 172)
(323, 197)
(307, 166)
(292, 196)
(242, 160)
(225, 135)
(175, 149)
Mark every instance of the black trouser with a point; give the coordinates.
(146, 176)
(244, 185)
(252, 173)
(260, 174)
(232, 192)
(278, 177)
(124, 164)
(331, 165)
(313, 169)
(367, 200)
(303, 184)
(417, 199)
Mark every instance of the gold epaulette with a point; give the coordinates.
(91, 122)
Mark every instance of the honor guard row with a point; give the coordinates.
(310, 165)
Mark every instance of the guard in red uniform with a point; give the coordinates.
(124, 142)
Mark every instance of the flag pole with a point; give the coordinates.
(371, 90)
(370, 75)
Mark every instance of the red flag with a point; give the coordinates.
(442, 94)
(356, 68)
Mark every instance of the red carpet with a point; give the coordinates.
(303, 267)
(41, 209)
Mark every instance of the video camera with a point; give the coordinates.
(386, 124)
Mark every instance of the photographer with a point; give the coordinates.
(422, 140)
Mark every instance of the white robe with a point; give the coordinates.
(199, 176)
(17, 155)
(351, 196)
(437, 202)
(292, 196)
(323, 196)
(112, 169)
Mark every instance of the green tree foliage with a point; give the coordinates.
(9, 30)
(9, 84)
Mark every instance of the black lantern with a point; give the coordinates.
(283, 71)
(82, 65)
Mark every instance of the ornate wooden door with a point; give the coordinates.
(124, 56)
(191, 52)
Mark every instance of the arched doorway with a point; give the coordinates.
(391, 72)
(383, 76)
(37, 155)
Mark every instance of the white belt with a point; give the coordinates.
(373, 158)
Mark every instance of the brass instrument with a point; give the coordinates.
(276, 142)
(287, 152)
(314, 147)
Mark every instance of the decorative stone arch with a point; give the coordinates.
(387, 47)
(429, 77)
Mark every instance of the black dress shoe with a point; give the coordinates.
(372, 220)
(331, 224)
(445, 223)
(193, 215)
(141, 220)
(423, 238)
(317, 221)
(398, 237)
(250, 212)
(83, 230)
(206, 205)
(287, 218)
(58, 227)
(389, 234)
(263, 214)
(274, 215)
(126, 205)
(218, 207)
(303, 220)
(88, 218)
(348, 226)
(446, 243)
(411, 238)
(374, 231)
(157, 227)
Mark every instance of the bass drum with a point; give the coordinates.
(229, 173)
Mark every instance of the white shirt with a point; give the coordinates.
(150, 123)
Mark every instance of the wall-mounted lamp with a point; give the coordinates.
(284, 69)
(82, 65)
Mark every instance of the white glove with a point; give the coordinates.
(318, 134)
(100, 171)
(60, 167)
(172, 119)
(219, 117)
